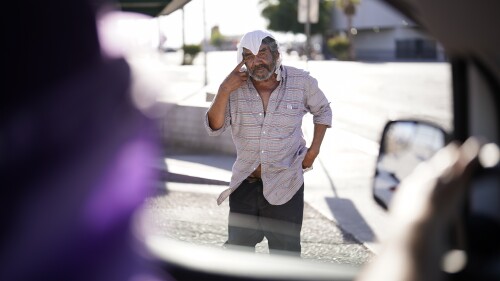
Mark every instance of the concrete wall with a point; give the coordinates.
(183, 128)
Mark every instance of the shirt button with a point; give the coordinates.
(262, 151)
(264, 132)
(260, 114)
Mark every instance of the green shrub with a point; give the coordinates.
(190, 52)
(339, 46)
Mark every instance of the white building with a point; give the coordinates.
(382, 34)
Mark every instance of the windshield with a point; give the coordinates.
(398, 72)
(148, 127)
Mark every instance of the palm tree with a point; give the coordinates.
(349, 9)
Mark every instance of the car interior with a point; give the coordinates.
(467, 31)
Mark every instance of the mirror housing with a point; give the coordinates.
(403, 145)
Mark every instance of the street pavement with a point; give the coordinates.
(185, 209)
(342, 223)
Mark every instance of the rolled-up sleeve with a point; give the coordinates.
(218, 132)
(317, 104)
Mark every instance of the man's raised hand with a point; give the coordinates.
(235, 79)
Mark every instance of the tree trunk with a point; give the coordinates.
(349, 11)
(351, 38)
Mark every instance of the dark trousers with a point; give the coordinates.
(251, 218)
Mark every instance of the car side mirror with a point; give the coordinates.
(404, 144)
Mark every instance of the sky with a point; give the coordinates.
(234, 17)
(123, 32)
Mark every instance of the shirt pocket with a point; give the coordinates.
(288, 117)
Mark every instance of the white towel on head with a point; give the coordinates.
(252, 41)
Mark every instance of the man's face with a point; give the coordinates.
(261, 66)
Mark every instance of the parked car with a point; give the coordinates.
(467, 32)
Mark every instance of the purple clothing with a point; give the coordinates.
(95, 169)
(76, 155)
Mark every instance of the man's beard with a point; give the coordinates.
(264, 76)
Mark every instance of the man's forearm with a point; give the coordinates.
(319, 134)
(217, 111)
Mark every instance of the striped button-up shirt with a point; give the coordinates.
(273, 138)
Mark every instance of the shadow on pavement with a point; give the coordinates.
(180, 178)
(347, 215)
(350, 219)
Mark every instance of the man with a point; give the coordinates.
(265, 112)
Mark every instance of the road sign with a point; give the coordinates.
(313, 7)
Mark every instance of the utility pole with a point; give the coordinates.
(183, 28)
(205, 44)
(308, 13)
(308, 31)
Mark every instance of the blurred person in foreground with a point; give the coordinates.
(264, 106)
(428, 204)
(76, 154)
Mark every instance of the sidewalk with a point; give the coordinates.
(190, 213)
(211, 173)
